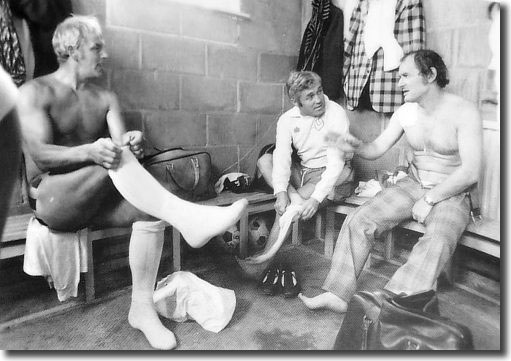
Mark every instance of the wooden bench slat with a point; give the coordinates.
(12, 251)
(16, 227)
(226, 198)
(489, 228)
(482, 245)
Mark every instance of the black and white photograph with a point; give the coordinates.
(251, 175)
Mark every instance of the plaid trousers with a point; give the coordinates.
(444, 226)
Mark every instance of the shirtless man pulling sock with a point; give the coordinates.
(445, 134)
(82, 168)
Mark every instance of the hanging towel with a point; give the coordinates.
(379, 33)
(11, 58)
(384, 94)
(57, 256)
(182, 296)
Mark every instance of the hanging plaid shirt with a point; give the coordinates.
(11, 58)
(410, 33)
(313, 34)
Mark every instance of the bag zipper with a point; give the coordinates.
(148, 161)
(366, 323)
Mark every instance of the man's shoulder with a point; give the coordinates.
(41, 84)
(458, 102)
(335, 111)
(294, 112)
(460, 109)
(40, 91)
(97, 89)
(335, 106)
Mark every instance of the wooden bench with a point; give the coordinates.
(484, 236)
(13, 245)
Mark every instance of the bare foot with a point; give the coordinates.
(143, 317)
(325, 300)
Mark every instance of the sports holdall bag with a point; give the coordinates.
(185, 173)
(381, 321)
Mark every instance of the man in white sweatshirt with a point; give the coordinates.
(323, 173)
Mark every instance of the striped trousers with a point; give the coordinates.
(444, 227)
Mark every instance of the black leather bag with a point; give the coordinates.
(185, 173)
(381, 321)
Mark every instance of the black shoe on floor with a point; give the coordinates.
(270, 283)
(290, 286)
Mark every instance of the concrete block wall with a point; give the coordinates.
(458, 30)
(198, 78)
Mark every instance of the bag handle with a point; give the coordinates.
(196, 172)
(165, 150)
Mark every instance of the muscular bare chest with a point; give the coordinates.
(78, 117)
(437, 134)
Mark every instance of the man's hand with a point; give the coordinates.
(281, 203)
(310, 207)
(421, 210)
(135, 140)
(348, 143)
(105, 153)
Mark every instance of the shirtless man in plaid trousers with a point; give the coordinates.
(445, 134)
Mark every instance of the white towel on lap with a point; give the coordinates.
(58, 256)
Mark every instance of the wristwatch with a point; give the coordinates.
(428, 201)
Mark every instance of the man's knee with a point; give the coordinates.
(265, 163)
(441, 242)
(149, 226)
(362, 220)
(143, 217)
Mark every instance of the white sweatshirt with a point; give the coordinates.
(307, 134)
(8, 93)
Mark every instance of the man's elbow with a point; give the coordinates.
(472, 175)
(41, 163)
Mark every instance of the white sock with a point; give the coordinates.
(291, 213)
(197, 223)
(144, 257)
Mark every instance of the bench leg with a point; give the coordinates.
(449, 271)
(90, 292)
(244, 235)
(389, 240)
(296, 233)
(329, 233)
(318, 230)
(367, 265)
(176, 249)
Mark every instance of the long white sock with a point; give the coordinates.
(197, 223)
(144, 257)
(291, 213)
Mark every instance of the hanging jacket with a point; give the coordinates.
(42, 17)
(322, 47)
(332, 55)
(11, 57)
(313, 35)
(384, 94)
